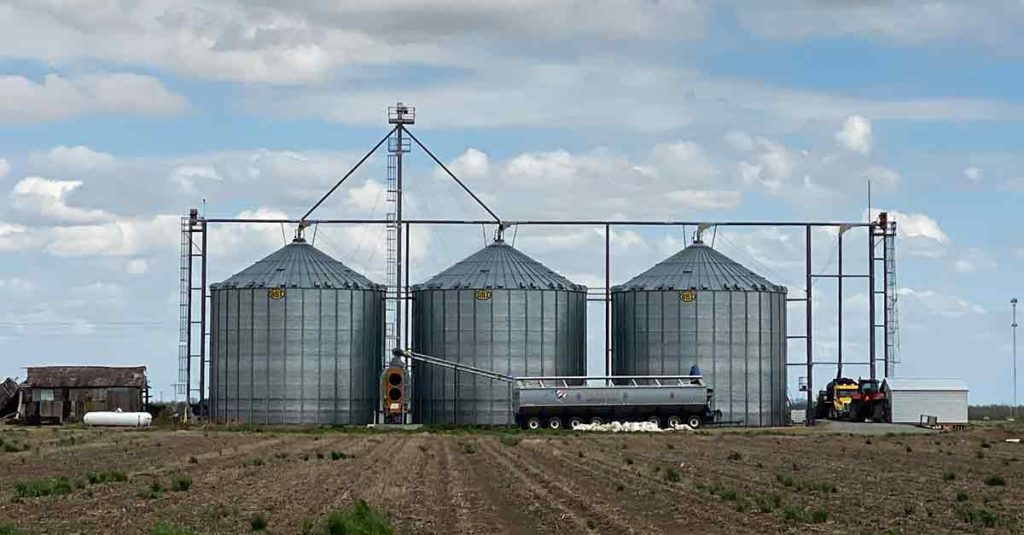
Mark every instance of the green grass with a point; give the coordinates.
(981, 517)
(995, 481)
(181, 483)
(7, 529)
(43, 487)
(672, 475)
(948, 476)
(170, 529)
(360, 519)
(154, 491)
(336, 455)
(509, 440)
(962, 496)
(257, 522)
(113, 476)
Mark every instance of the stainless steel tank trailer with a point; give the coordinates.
(568, 401)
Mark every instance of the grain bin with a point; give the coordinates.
(501, 310)
(700, 307)
(296, 338)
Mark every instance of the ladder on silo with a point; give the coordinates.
(392, 296)
(184, 309)
(192, 359)
(892, 328)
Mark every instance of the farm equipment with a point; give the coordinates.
(855, 400)
(556, 402)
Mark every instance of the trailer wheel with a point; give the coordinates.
(533, 423)
(654, 420)
(693, 421)
(596, 420)
(575, 422)
(673, 422)
(555, 422)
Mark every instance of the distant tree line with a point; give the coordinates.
(992, 412)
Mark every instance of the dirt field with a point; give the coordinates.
(751, 481)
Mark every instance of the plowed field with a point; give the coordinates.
(785, 481)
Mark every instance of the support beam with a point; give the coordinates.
(344, 178)
(810, 329)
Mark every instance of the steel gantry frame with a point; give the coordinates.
(881, 233)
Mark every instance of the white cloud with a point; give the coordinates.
(13, 237)
(880, 176)
(57, 98)
(704, 200)
(686, 160)
(974, 174)
(855, 134)
(935, 303)
(121, 237)
(996, 24)
(920, 234)
(367, 197)
(471, 164)
(543, 167)
(187, 176)
(974, 260)
(46, 198)
(136, 266)
(73, 160)
(5, 168)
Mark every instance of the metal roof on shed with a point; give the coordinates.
(908, 383)
(699, 267)
(298, 265)
(85, 377)
(499, 266)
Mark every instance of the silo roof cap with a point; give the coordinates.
(499, 266)
(298, 265)
(699, 267)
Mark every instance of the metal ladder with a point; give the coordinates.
(392, 294)
(892, 338)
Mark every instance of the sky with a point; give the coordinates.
(117, 116)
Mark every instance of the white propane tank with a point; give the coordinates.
(118, 419)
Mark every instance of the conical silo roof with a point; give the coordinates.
(699, 267)
(499, 266)
(298, 265)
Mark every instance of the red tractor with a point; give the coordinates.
(868, 402)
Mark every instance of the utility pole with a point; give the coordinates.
(1013, 326)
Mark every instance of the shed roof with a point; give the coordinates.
(910, 383)
(86, 377)
(499, 266)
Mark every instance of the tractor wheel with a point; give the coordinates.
(555, 423)
(693, 421)
(654, 420)
(533, 423)
(596, 420)
(673, 421)
(575, 422)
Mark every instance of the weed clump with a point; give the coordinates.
(672, 475)
(257, 522)
(43, 487)
(995, 481)
(170, 529)
(181, 483)
(948, 476)
(509, 440)
(360, 519)
(113, 476)
(735, 456)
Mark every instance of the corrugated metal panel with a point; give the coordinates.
(699, 267)
(298, 265)
(498, 266)
(909, 383)
(949, 406)
(307, 355)
(85, 376)
(502, 311)
(733, 326)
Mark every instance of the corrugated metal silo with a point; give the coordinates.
(296, 338)
(501, 310)
(700, 307)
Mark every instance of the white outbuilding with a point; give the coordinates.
(911, 401)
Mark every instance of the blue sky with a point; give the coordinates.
(117, 116)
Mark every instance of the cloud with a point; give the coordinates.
(47, 199)
(120, 237)
(855, 134)
(908, 23)
(705, 200)
(187, 176)
(367, 197)
(935, 303)
(305, 42)
(974, 174)
(975, 260)
(473, 163)
(920, 234)
(57, 98)
(5, 168)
